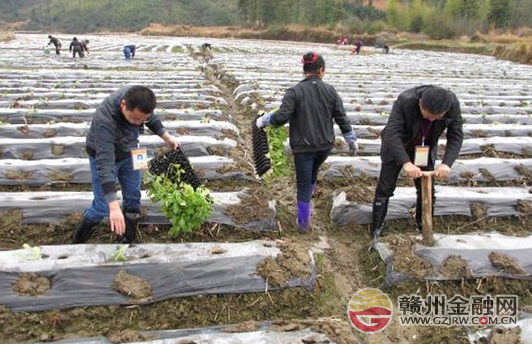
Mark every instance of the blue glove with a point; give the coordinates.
(264, 120)
(351, 140)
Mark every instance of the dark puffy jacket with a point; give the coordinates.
(310, 107)
(76, 46)
(404, 123)
(111, 137)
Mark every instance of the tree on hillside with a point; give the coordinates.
(499, 13)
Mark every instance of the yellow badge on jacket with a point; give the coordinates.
(140, 158)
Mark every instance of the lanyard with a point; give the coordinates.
(425, 128)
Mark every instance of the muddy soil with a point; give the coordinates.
(31, 284)
(131, 285)
(505, 263)
(456, 266)
(253, 207)
(405, 258)
(292, 262)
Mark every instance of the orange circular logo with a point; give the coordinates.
(370, 310)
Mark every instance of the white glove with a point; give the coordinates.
(264, 120)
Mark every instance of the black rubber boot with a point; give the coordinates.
(83, 230)
(132, 218)
(380, 208)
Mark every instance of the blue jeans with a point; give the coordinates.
(127, 53)
(307, 167)
(129, 180)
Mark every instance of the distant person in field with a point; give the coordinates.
(113, 135)
(410, 143)
(129, 51)
(85, 45)
(385, 48)
(310, 107)
(76, 47)
(358, 47)
(57, 44)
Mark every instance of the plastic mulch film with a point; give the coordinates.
(494, 202)
(474, 250)
(64, 276)
(52, 206)
(74, 147)
(216, 335)
(481, 169)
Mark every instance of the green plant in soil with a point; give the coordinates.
(185, 207)
(276, 138)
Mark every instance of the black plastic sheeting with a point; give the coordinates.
(181, 270)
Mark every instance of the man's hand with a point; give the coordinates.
(170, 141)
(411, 170)
(351, 140)
(116, 218)
(442, 172)
(264, 120)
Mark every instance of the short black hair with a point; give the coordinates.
(436, 100)
(140, 97)
(312, 62)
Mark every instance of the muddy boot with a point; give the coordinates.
(380, 208)
(132, 220)
(303, 217)
(83, 230)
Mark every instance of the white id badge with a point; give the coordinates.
(140, 158)
(422, 156)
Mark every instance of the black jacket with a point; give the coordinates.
(76, 46)
(309, 107)
(111, 137)
(403, 127)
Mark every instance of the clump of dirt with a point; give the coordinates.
(292, 262)
(252, 207)
(467, 175)
(49, 133)
(18, 175)
(489, 151)
(24, 129)
(505, 263)
(527, 152)
(524, 206)
(478, 133)
(27, 154)
(456, 266)
(374, 131)
(338, 330)
(230, 134)
(130, 285)
(405, 258)
(506, 336)
(128, 336)
(58, 150)
(217, 250)
(31, 284)
(216, 150)
(359, 193)
(490, 178)
(478, 211)
(60, 177)
(244, 165)
(523, 171)
(247, 326)
(226, 168)
(182, 131)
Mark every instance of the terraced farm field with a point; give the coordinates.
(247, 276)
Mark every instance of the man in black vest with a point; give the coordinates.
(410, 142)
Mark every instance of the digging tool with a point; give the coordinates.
(426, 197)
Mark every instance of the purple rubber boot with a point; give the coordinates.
(303, 217)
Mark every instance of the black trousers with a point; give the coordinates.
(388, 182)
(79, 52)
